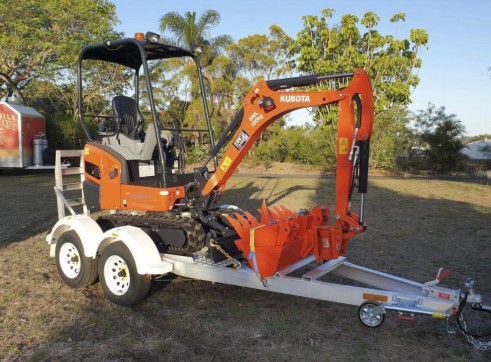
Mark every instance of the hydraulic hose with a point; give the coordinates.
(363, 168)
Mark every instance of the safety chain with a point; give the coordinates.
(479, 345)
(235, 262)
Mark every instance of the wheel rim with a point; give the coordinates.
(368, 317)
(117, 275)
(69, 258)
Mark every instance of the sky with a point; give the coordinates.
(455, 71)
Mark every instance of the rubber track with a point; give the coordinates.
(195, 235)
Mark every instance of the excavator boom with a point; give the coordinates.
(266, 102)
(281, 236)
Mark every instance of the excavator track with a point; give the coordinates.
(171, 233)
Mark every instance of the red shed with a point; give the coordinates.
(19, 125)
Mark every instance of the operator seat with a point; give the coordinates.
(128, 118)
(129, 139)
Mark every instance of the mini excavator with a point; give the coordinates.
(161, 219)
(139, 173)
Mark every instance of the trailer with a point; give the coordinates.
(126, 260)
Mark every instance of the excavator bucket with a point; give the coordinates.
(280, 239)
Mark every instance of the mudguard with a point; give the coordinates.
(142, 248)
(86, 228)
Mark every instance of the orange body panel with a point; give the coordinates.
(149, 198)
(118, 194)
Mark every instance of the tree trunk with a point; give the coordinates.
(12, 86)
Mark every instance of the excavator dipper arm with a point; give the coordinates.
(267, 101)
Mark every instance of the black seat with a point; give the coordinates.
(127, 117)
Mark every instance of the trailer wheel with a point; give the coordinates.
(119, 278)
(75, 269)
(371, 314)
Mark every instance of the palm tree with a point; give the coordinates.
(189, 31)
(443, 134)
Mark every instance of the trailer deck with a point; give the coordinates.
(304, 278)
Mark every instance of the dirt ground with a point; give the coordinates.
(415, 227)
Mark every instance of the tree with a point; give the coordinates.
(262, 56)
(188, 31)
(41, 39)
(442, 133)
(244, 63)
(322, 48)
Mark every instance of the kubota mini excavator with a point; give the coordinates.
(179, 210)
(164, 220)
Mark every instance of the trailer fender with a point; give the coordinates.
(142, 248)
(86, 228)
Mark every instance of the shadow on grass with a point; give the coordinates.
(28, 204)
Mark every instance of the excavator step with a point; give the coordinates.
(74, 182)
(72, 186)
(72, 171)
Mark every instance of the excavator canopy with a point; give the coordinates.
(130, 52)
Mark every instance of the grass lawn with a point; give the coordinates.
(415, 226)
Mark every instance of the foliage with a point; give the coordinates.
(298, 144)
(322, 48)
(188, 31)
(442, 134)
(41, 39)
(261, 56)
(390, 62)
(63, 133)
(39, 44)
(45, 69)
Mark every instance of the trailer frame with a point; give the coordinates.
(374, 292)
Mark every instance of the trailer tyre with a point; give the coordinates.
(371, 314)
(76, 270)
(119, 278)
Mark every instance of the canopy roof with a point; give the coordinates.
(129, 52)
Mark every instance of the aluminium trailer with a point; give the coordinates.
(127, 254)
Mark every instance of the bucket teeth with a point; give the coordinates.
(242, 220)
(266, 215)
(237, 225)
(242, 224)
(282, 237)
(252, 220)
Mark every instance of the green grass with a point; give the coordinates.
(415, 227)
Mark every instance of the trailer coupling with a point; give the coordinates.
(372, 313)
(476, 336)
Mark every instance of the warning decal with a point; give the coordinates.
(343, 146)
(226, 162)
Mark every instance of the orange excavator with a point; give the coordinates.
(139, 172)
(163, 220)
